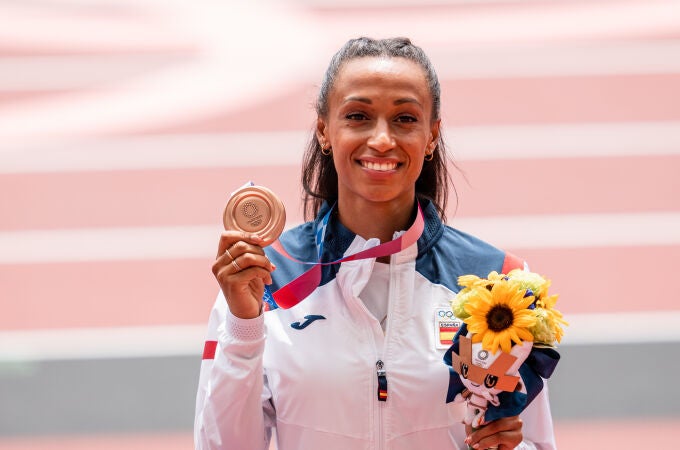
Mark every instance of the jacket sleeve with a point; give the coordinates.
(233, 403)
(538, 426)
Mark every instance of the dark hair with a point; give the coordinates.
(319, 177)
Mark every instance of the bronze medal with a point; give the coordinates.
(255, 209)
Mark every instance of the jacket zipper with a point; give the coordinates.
(382, 381)
(382, 398)
(381, 373)
(380, 365)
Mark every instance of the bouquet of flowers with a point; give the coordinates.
(506, 346)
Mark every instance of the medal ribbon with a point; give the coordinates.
(297, 290)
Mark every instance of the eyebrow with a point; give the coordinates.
(399, 101)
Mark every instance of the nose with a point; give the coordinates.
(381, 138)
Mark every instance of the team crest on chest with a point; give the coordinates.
(446, 324)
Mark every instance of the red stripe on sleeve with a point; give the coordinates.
(512, 262)
(209, 349)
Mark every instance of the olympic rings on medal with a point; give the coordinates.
(236, 266)
(226, 252)
(448, 314)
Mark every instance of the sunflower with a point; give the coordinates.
(470, 281)
(499, 316)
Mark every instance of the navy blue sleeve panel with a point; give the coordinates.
(299, 243)
(456, 253)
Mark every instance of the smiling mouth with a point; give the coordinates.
(380, 167)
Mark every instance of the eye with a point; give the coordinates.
(490, 381)
(406, 118)
(356, 116)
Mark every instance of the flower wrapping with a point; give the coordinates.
(506, 346)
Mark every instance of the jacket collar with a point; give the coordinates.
(338, 238)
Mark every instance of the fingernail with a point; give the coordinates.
(476, 445)
(273, 266)
(467, 440)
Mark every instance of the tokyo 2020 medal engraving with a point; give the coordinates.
(255, 209)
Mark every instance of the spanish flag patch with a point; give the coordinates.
(446, 325)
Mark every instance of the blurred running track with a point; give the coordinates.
(125, 124)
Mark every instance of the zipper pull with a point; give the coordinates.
(382, 381)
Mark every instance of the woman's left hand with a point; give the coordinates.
(503, 434)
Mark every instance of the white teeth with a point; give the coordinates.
(383, 167)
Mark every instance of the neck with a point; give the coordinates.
(375, 219)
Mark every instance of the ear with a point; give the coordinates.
(434, 135)
(322, 133)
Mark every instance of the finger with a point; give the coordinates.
(241, 256)
(232, 279)
(239, 248)
(228, 254)
(247, 260)
(225, 266)
(511, 423)
(225, 261)
(502, 433)
(490, 443)
(230, 237)
(235, 265)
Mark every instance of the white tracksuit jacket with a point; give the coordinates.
(316, 382)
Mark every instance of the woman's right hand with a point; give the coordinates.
(242, 269)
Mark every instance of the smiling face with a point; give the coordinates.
(379, 126)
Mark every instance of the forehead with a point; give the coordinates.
(382, 73)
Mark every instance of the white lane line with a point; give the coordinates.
(93, 343)
(187, 340)
(539, 24)
(72, 72)
(151, 243)
(108, 244)
(584, 140)
(622, 328)
(557, 59)
(397, 3)
(575, 140)
(575, 230)
(161, 152)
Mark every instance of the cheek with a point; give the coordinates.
(348, 137)
(344, 145)
(417, 166)
(343, 165)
